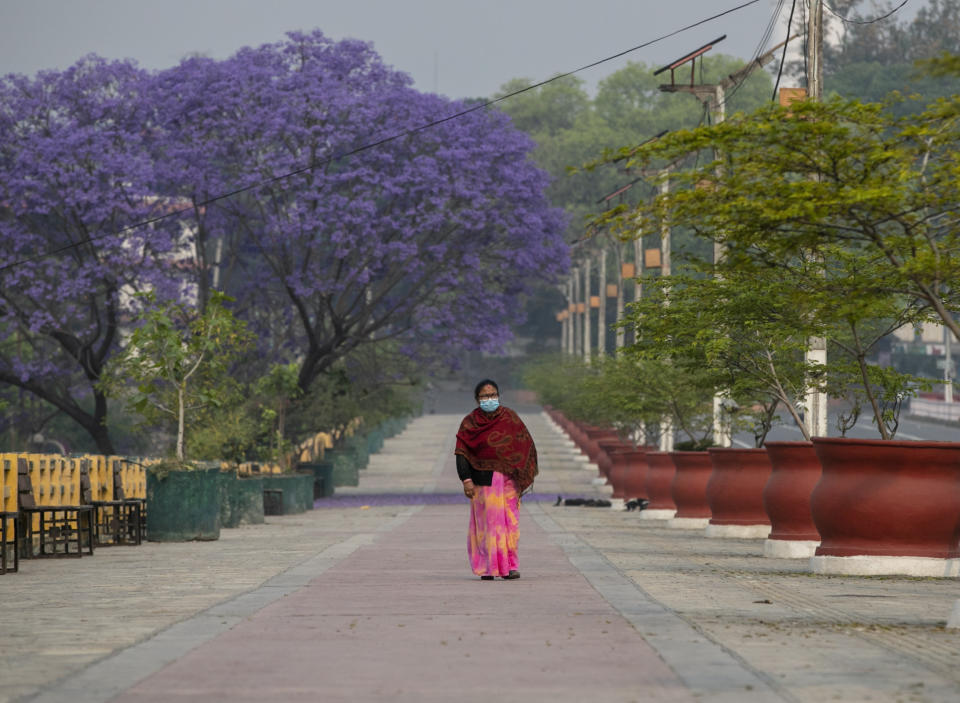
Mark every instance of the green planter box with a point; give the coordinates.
(241, 500)
(345, 471)
(183, 505)
(322, 478)
(374, 440)
(358, 447)
(297, 491)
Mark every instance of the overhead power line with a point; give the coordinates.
(783, 58)
(847, 20)
(372, 145)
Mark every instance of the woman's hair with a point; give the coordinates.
(485, 382)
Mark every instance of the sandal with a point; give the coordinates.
(514, 574)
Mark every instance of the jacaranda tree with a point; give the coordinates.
(429, 239)
(74, 174)
(337, 205)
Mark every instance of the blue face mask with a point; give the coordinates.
(488, 405)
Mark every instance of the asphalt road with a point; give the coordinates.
(910, 428)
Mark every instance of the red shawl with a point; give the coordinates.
(498, 442)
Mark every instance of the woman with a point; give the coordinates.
(496, 461)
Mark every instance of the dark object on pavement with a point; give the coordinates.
(586, 502)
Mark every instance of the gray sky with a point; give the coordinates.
(460, 48)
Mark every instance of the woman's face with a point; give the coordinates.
(487, 392)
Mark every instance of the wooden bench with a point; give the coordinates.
(61, 529)
(5, 547)
(116, 521)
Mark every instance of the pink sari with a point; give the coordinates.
(494, 528)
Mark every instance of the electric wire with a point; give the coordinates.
(370, 145)
(783, 57)
(847, 20)
(768, 32)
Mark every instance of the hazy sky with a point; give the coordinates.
(462, 49)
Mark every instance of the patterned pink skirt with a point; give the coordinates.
(494, 528)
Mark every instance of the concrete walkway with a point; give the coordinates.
(369, 597)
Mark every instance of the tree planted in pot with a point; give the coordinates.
(176, 363)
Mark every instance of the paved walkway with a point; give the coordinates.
(369, 597)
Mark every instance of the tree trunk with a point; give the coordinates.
(181, 416)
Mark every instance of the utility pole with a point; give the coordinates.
(575, 309)
(586, 310)
(602, 310)
(714, 97)
(815, 51)
(666, 424)
(621, 332)
(816, 411)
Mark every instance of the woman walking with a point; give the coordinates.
(497, 462)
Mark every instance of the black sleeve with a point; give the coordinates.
(463, 467)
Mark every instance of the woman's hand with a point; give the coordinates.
(469, 490)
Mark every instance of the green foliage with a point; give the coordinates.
(177, 362)
(871, 60)
(843, 208)
(742, 334)
(570, 129)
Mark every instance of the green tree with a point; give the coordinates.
(849, 205)
(178, 361)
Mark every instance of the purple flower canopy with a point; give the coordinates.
(345, 222)
(430, 237)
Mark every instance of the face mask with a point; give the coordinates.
(489, 405)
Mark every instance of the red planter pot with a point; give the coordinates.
(594, 435)
(660, 473)
(609, 447)
(635, 482)
(628, 474)
(577, 434)
(689, 487)
(735, 493)
(887, 499)
(786, 499)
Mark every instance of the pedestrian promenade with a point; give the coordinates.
(369, 597)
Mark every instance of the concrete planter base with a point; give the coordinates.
(688, 523)
(790, 548)
(657, 514)
(885, 566)
(738, 531)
